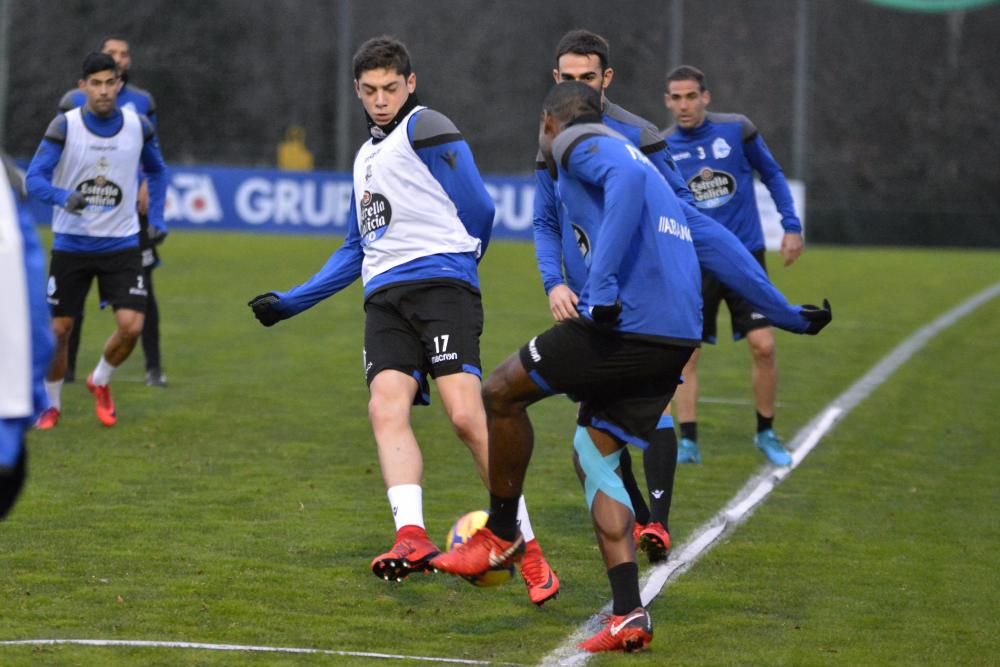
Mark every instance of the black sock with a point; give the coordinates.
(503, 517)
(639, 508)
(624, 580)
(660, 462)
(764, 423)
(689, 430)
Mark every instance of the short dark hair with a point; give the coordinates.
(687, 73)
(383, 52)
(570, 100)
(584, 43)
(98, 62)
(117, 38)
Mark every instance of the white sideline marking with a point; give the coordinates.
(238, 647)
(763, 482)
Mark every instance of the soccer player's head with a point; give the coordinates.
(583, 56)
(100, 82)
(566, 103)
(118, 48)
(687, 96)
(383, 77)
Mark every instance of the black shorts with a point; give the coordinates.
(119, 280)
(623, 383)
(423, 328)
(743, 317)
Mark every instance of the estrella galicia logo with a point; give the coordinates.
(582, 243)
(375, 216)
(712, 189)
(101, 193)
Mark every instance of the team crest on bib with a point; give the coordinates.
(100, 192)
(711, 188)
(375, 216)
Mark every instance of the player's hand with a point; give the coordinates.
(817, 317)
(264, 310)
(791, 247)
(562, 303)
(607, 317)
(157, 235)
(75, 203)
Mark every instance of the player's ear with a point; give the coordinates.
(608, 75)
(707, 96)
(357, 89)
(81, 84)
(555, 76)
(411, 82)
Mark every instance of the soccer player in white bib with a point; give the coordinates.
(87, 168)
(420, 221)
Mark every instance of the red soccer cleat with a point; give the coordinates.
(655, 541)
(483, 551)
(412, 552)
(104, 405)
(48, 419)
(637, 529)
(631, 632)
(542, 583)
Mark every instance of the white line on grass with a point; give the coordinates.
(763, 482)
(238, 647)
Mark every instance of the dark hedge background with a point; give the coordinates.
(903, 142)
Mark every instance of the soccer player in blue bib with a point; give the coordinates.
(621, 359)
(420, 221)
(718, 155)
(87, 168)
(141, 101)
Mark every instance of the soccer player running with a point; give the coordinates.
(25, 335)
(640, 320)
(142, 102)
(717, 155)
(87, 168)
(420, 221)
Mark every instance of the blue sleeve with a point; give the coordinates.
(342, 269)
(38, 178)
(547, 230)
(661, 160)
(773, 178)
(621, 177)
(155, 170)
(452, 165)
(724, 256)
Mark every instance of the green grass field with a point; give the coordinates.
(243, 504)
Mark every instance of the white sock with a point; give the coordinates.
(523, 522)
(54, 391)
(102, 374)
(407, 503)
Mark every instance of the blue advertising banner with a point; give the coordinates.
(316, 202)
(286, 202)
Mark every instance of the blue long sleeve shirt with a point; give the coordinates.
(718, 159)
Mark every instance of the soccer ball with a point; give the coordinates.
(465, 528)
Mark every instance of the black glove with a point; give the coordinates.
(606, 317)
(817, 317)
(156, 235)
(264, 310)
(75, 203)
